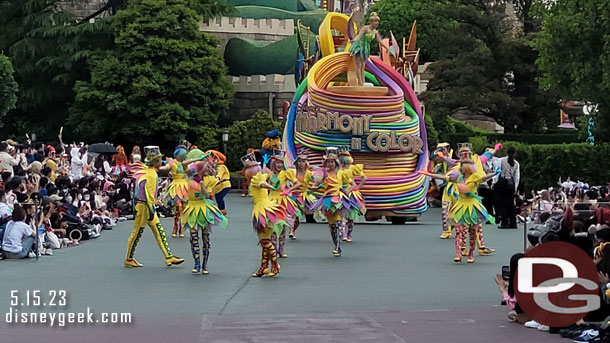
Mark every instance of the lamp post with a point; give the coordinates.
(225, 139)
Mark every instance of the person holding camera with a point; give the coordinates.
(19, 237)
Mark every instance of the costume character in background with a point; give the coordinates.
(136, 154)
(334, 202)
(201, 212)
(350, 172)
(224, 179)
(284, 183)
(145, 200)
(267, 216)
(305, 198)
(119, 161)
(361, 45)
(272, 142)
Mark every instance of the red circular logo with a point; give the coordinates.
(556, 284)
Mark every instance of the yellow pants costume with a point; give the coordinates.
(143, 218)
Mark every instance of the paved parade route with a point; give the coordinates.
(392, 284)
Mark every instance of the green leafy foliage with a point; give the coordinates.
(398, 16)
(574, 48)
(248, 134)
(483, 64)
(8, 87)
(165, 81)
(49, 49)
(432, 134)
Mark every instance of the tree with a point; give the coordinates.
(248, 134)
(8, 87)
(165, 80)
(48, 49)
(574, 48)
(493, 72)
(398, 16)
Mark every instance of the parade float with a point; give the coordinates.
(380, 121)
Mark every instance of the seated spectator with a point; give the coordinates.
(507, 288)
(19, 237)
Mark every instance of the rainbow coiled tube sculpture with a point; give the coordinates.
(393, 186)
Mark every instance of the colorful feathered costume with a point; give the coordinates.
(333, 203)
(304, 197)
(201, 212)
(350, 172)
(468, 212)
(145, 199)
(178, 190)
(268, 218)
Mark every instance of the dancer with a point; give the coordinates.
(201, 212)
(282, 194)
(350, 171)
(447, 187)
(267, 216)
(334, 202)
(304, 196)
(145, 199)
(224, 176)
(479, 161)
(177, 191)
(361, 45)
(468, 212)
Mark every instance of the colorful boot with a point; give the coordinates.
(195, 249)
(472, 232)
(275, 266)
(350, 228)
(335, 233)
(281, 244)
(483, 250)
(205, 253)
(459, 242)
(264, 269)
(445, 218)
(293, 229)
(177, 214)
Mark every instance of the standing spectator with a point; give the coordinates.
(18, 237)
(7, 161)
(50, 163)
(77, 163)
(505, 190)
(36, 168)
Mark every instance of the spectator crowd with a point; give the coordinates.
(575, 213)
(53, 196)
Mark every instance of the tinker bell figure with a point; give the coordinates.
(361, 45)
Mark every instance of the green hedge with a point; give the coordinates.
(543, 164)
(557, 138)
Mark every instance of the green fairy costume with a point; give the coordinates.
(362, 47)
